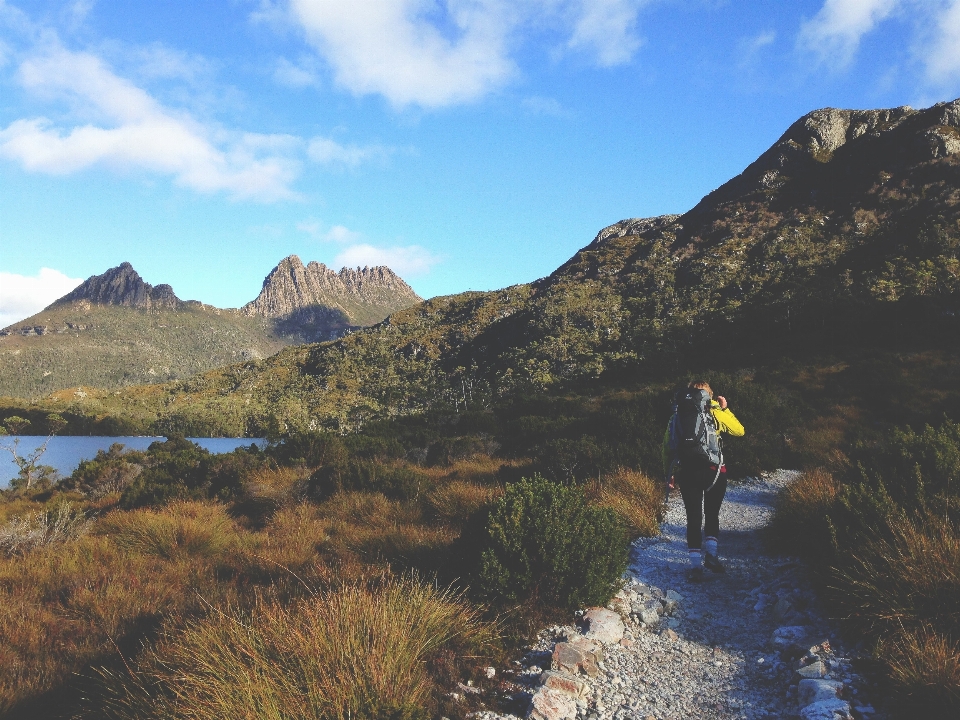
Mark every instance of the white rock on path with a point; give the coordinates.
(603, 625)
(835, 709)
(550, 704)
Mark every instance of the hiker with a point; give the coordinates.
(693, 459)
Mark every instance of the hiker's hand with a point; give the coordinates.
(722, 401)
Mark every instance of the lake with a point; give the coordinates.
(65, 452)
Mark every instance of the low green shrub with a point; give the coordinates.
(543, 540)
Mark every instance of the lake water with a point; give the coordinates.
(65, 452)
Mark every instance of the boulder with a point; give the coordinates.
(579, 655)
(815, 690)
(550, 704)
(835, 709)
(565, 683)
(603, 625)
(792, 638)
(670, 602)
(814, 670)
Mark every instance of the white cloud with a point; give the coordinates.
(943, 59)
(137, 132)
(434, 53)
(539, 105)
(390, 47)
(607, 27)
(836, 30)
(22, 296)
(291, 75)
(329, 152)
(341, 234)
(406, 261)
(335, 234)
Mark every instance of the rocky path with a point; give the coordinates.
(751, 644)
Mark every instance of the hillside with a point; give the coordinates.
(844, 233)
(116, 330)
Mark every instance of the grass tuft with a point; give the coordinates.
(926, 666)
(636, 498)
(177, 530)
(357, 652)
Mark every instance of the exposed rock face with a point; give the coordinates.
(121, 285)
(631, 226)
(814, 140)
(314, 295)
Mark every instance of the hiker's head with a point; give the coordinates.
(701, 385)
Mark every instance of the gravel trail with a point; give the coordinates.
(713, 656)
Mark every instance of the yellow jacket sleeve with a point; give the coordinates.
(726, 421)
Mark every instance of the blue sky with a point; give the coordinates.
(468, 144)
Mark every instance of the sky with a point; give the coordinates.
(467, 144)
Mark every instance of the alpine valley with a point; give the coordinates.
(506, 446)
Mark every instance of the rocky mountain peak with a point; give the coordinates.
(121, 285)
(360, 296)
(813, 144)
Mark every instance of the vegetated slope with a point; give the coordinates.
(845, 231)
(116, 330)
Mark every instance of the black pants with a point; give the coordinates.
(703, 507)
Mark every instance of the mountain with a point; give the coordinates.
(844, 235)
(121, 285)
(116, 330)
(313, 300)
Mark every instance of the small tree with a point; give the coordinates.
(30, 470)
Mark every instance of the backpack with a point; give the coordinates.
(693, 432)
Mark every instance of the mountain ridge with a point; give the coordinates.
(115, 329)
(855, 240)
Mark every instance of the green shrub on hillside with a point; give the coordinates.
(543, 541)
(177, 469)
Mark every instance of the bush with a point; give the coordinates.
(543, 541)
(110, 471)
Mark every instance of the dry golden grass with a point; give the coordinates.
(454, 502)
(801, 511)
(181, 528)
(369, 527)
(66, 606)
(926, 665)
(355, 652)
(635, 497)
(906, 577)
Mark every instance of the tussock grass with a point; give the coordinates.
(635, 497)
(21, 534)
(359, 651)
(181, 528)
(801, 513)
(926, 665)
(905, 578)
(454, 502)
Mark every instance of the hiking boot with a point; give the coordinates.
(695, 574)
(713, 564)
